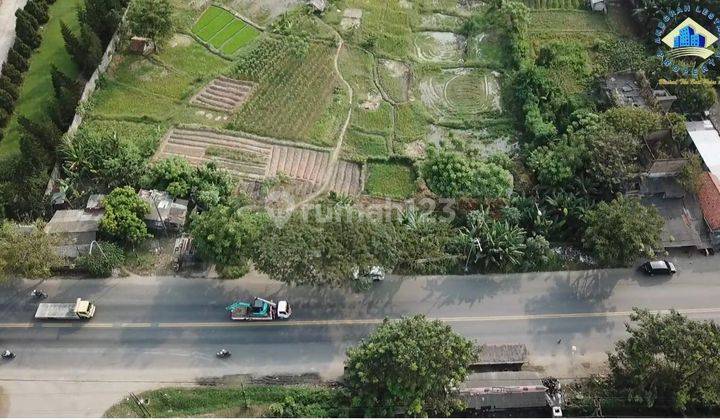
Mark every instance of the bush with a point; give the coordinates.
(38, 10)
(17, 60)
(105, 257)
(4, 116)
(7, 102)
(22, 48)
(8, 86)
(9, 71)
(694, 99)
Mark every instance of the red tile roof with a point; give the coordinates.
(709, 197)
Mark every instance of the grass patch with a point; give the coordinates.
(567, 21)
(36, 91)
(361, 146)
(356, 66)
(385, 24)
(193, 402)
(378, 121)
(146, 136)
(221, 29)
(292, 93)
(394, 78)
(410, 122)
(395, 180)
(162, 85)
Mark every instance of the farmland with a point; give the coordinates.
(292, 92)
(415, 79)
(223, 30)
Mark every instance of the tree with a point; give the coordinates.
(424, 244)
(39, 139)
(26, 31)
(91, 50)
(12, 73)
(694, 98)
(123, 217)
(72, 44)
(102, 259)
(227, 236)
(102, 16)
(691, 172)
(38, 9)
(669, 361)
(557, 164)
(622, 231)
(538, 254)
(151, 19)
(325, 246)
(450, 174)
(22, 48)
(21, 14)
(6, 101)
(67, 96)
(638, 122)
(27, 252)
(408, 367)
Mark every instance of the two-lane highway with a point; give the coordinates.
(150, 330)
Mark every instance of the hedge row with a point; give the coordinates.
(27, 39)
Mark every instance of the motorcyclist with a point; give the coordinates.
(7, 354)
(223, 353)
(38, 293)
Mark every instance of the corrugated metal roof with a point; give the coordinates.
(494, 354)
(73, 221)
(504, 390)
(707, 142)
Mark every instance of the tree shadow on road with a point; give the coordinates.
(463, 290)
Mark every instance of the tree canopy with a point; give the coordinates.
(623, 230)
(408, 367)
(123, 217)
(151, 19)
(28, 252)
(669, 361)
(227, 236)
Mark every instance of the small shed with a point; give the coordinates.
(520, 394)
(76, 229)
(142, 46)
(499, 357)
(166, 213)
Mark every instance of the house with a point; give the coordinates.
(166, 213)
(709, 198)
(628, 88)
(684, 226)
(502, 357)
(707, 142)
(76, 230)
(521, 394)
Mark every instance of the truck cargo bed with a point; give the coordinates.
(56, 311)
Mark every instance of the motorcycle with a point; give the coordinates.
(7, 354)
(222, 354)
(38, 294)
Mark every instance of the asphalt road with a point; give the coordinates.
(150, 331)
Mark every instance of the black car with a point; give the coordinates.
(658, 267)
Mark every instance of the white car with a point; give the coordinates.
(283, 310)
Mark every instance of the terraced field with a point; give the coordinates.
(253, 158)
(439, 47)
(223, 30)
(223, 94)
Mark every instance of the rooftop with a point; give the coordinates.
(496, 354)
(73, 221)
(163, 207)
(709, 197)
(707, 142)
(504, 390)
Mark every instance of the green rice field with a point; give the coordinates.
(221, 29)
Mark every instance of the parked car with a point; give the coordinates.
(658, 267)
(374, 273)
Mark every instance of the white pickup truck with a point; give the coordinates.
(81, 309)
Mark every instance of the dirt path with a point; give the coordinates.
(7, 25)
(335, 154)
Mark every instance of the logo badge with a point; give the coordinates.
(689, 39)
